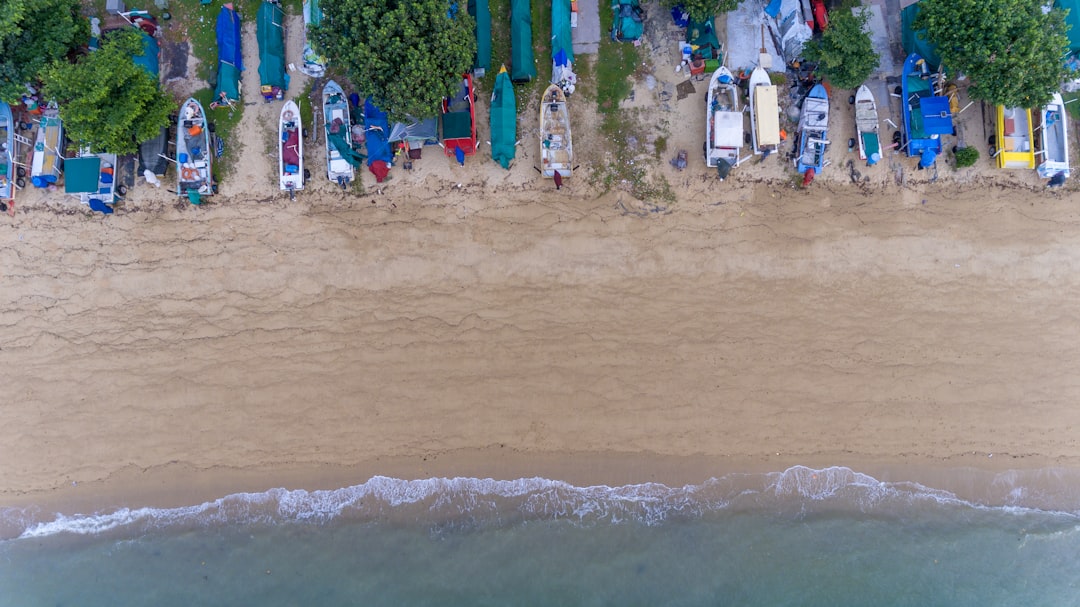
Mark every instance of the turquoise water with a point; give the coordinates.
(798, 537)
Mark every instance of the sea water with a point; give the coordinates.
(797, 537)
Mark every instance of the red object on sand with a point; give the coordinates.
(821, 19)
(808, 177)
(558, 180)
(379, 169)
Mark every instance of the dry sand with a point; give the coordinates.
(460, 320)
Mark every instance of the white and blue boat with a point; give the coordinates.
(813, 131)
(927, 114)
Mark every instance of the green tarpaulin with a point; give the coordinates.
(338, 141)
(271, 35)
(560, 30)
(522, 65)
(503, 120)
(915, 41)
(628, 23)
(482, 14)
(1072, 19)
(81, 175)
(701, 35)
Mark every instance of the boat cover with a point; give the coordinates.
(481, 12)
(270, 32)
(560, 29)
(81, 175)
(522, 64)
(915, 41)
(423, 132)
(503, 120)
(378, 133)
(148, 60)
(230, 58)
(702, 36)
(628, 23)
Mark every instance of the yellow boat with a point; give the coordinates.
(1012, 143)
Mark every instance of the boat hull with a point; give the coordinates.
(556, 143)
(866, 125)
(8, 156)
(1052, 139)
(290, 148)
(927, 116)
(723, 120)
(814, 131)
(194, 156)
(764, 112)
(335, 108)
(1014, 139)
(47, 160)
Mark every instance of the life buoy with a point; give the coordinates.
(188, 174)
(287, 116)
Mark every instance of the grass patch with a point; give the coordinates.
(1074, 107)
(616, 62)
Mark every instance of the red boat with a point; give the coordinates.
(821, 16)
(458, 120)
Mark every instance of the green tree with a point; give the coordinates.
(844, 54)
(700, 10)
(406, 54)
(1011, 49)
(34, 33)
(107, 102)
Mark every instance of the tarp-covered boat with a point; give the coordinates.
(1052, 139)
(723, 120)
(813, 131)
(270, 32)
(562, 47)
(927, 115)
(522, 65)
(230, 57)
(1014, 139)
(764, 112)
(48, 159)
(290, 149)
(556, 143)
(341, 159)
(629, 20)
(503, 114)
(866, 124)
(481, 13)
(194, 156)
(379, 153)
(458, 120)
(92, 179)
(312, 63)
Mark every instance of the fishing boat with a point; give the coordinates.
(1051, 132)
(458, 120)
(1012, 144)
(556, 144)
(193, 152)
(813, 132)
(290, 149)
(927, 114)
(503, 118)
(866, 123)
(764, 112)
(48, 159)
(11, 174)
(723, 120)
(335, 106)
(92, 178)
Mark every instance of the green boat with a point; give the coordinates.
(503, 120)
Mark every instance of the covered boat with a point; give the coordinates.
(193, 152)
(562, 46)
(379, 153)
(522, 64)
(290, 149)
(11, 174)
(1012, 144)
(48, 158)
(270, 32)
(556, 144)
(764, 112)
(230, 57)
(457, 120)
(503, 114)
(927, 115)
(481, 13)
(92, 178)
(341, 159)
(866, 123)
(628, 20)
(313, 64)
(1051, 131)
(723, 120)
(152, 151)
(813, 132)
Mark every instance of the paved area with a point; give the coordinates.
(586, 35)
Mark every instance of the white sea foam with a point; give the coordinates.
(797, 491)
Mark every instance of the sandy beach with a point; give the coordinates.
(473, 321)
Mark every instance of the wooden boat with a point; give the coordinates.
(11, 173)
(927, 113)
(556, 144)
(458, 119)
(813, 131)
(335, 106)
(290, 149)
(723, 120)
(764, 112)
(1012, 145)
(866, 123)
(48, 159)
(1051, 130)
(194, 156)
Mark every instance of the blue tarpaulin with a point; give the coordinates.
(378, 132)
(937, 117)
(230, 58)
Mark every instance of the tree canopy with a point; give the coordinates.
(107, 101)
(1011, 49)
(34, 33)
(700, 10)
(844, 53)
(406, 54)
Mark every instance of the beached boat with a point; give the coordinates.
(866, 123)
(764, 112)
(556, 144)
(335, 108)
(1012, 144)
(502, 114)
(458, 119)
(48, 158)
(193, 152)
(290, 149)
(813, 132)
(927, 115)
(92, 178)
(723, 120)
(1051, 130)
(11, 174)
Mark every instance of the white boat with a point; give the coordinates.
(11, 173)
(1052, 139)
(93, 178)
(338, 125)
(48, 159)
(723, 120)
(813, 132)
(764, 112)
(194, 156)
(866, 123)
(290, 149)
(556, 145)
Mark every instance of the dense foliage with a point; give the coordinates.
(700, 10)
(1011, 49)
(107, 101)
(966, 157)
(406, 54)
(844, 53)
(34, 33)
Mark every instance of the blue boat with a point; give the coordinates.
(927, 115)
(813, 132)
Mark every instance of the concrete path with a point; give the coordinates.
(586, 35)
